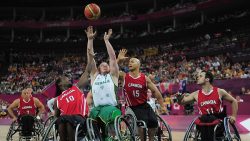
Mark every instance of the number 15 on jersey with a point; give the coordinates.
(136, 93)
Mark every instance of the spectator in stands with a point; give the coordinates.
(3, 110)
(247, 92)
(167, 102)
(243, 90)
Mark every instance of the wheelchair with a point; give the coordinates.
(163, 132)
(87, 131)
(27, 127)
(47, 123)
(223, 130)
(118, 130)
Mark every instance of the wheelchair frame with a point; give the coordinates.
(227, 132)
(131, 118)
(16, 127)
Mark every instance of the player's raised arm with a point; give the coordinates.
(91, 35)
(84, 78)
(114, 69)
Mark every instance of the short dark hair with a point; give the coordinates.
(209, 75)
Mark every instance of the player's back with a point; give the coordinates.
(72, 102)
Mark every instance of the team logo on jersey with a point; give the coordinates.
(26, 107)
(208, 102)
(102, 82)
(66, 94)
(134, 85)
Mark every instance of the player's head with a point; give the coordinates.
(104, 68)
(26, 94)
(205, 77)
(29, 90)
(62, 83)
(134, 64)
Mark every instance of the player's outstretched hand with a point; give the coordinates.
(90, 33)
(122, 54)
(107, 35)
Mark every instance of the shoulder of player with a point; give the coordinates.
(221, 91)
(17, 101)
(35, 99)
(76, 87)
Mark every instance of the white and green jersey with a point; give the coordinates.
(104, 90)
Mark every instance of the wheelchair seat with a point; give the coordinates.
(213, 123)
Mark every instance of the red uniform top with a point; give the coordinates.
(72, 102)
(27, 108)
(135, 89)
(209, 103)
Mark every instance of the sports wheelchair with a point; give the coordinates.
(118, 130)
(163, 132)
(86, 131)
(27, 127)
(223, 130)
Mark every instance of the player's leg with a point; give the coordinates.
(62, 132)
(152, 123)
(70, 132)
(141, 114)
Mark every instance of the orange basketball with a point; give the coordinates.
(92, 11)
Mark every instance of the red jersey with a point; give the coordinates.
(72, 102)
(135, 89)
(27, 108)
(210, 103)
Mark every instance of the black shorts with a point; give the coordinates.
(72, 119)
(145, 112)
(26, 123)
(207, 132)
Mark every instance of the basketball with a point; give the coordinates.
(92, 11)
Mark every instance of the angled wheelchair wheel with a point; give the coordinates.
(93, 130)
(132, 121)
(47, 123)
(232, 133)
(163, 131)
(51, 133)
(192, 134)
(123, 129)
(80, 134)
(12, 131)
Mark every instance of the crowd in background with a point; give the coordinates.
(163, 63)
